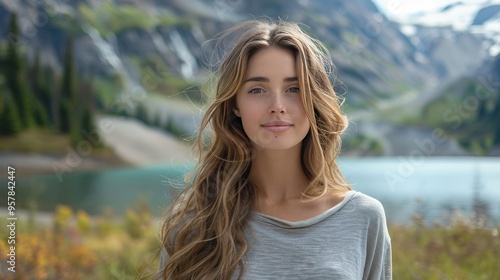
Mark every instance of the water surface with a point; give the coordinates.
(432, 187)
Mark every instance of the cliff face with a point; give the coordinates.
(385, 70)
(373, 57)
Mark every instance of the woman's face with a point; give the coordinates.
(269, 101)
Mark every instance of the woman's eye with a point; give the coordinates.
(256, 90)
(293, 89)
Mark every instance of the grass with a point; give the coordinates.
(36, 141)
(108, 89)
(157, 77)
(43, 141)
(459, 250)
(464, 112)
(109, 18)
(367, 146)
(75, 246)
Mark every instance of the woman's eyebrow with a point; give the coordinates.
(256, 79)
(264, 79)
(291, 79)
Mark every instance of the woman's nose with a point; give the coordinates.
(277, 104)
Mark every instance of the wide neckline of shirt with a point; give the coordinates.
(307, 222)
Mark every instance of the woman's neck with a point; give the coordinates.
(278, 175)
(280, 182)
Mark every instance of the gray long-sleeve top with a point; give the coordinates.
(348, 241)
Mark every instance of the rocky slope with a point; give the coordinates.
(373, 57)
(152, 44)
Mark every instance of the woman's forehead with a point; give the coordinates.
(271, 62)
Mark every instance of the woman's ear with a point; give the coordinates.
(236, 112)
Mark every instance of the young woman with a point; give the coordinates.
(268, 200)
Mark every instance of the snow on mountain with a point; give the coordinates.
(475, 16)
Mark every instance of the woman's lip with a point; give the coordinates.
(277, 123)
(277, 128)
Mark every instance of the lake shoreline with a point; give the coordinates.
(134, 144)
(27, 164)
(44, 163)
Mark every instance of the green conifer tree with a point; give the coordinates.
(41, 116)
(75, 132)
(2, 60)
(87, 120)
(482, 111)
(68, 88)
(65, 117)
(48, 95)
(16, 77)
(41, 104)
(156, 122)
(9, 118)
(67, 108)
(141, 113)
(496, 117)
(85, 124)
(87, 94)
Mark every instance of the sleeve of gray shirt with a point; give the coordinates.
(378, 263)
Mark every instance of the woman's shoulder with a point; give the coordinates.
(366, 205)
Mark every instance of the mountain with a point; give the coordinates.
(485, 14)
(158, 47)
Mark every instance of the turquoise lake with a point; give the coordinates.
(432, 187)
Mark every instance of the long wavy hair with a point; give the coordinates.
(204, 233)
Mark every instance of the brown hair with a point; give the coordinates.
(204, 232)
